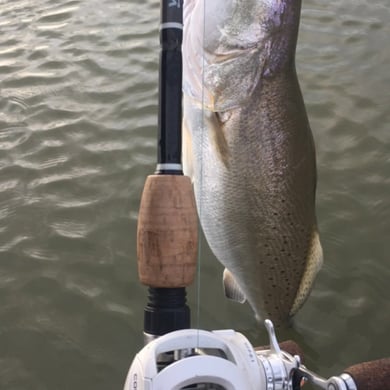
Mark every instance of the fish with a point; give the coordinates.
(249, 150)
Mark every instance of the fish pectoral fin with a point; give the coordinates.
(187, 157)
(218, 136)
(231, 288)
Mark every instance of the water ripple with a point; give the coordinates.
(70, 229)
(78, 109)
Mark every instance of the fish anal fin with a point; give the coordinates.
(231, 288)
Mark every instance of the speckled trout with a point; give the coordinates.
(249, 149)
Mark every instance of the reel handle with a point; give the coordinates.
(372, 375)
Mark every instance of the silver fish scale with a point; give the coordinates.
(254, 174)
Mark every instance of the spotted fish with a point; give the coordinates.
(248, 147)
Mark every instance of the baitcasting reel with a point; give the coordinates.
(226, 360)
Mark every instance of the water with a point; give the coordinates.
(78, 104)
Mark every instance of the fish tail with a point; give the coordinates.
(314, 263)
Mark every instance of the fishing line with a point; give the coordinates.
(200, 178)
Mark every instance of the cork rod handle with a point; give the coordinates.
(167, 232)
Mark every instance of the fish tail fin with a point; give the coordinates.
(231, 287)
(314, 263)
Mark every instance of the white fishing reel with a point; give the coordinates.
(226, 360)
(198, 359)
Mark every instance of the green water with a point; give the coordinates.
(78, 106)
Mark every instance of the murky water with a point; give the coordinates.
(78, 104)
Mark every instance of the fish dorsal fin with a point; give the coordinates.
(231, 287)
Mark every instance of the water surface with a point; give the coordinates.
(78, 105)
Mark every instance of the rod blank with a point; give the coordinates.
(170, 84)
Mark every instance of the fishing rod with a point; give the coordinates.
(176, 357)
(167, 231)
